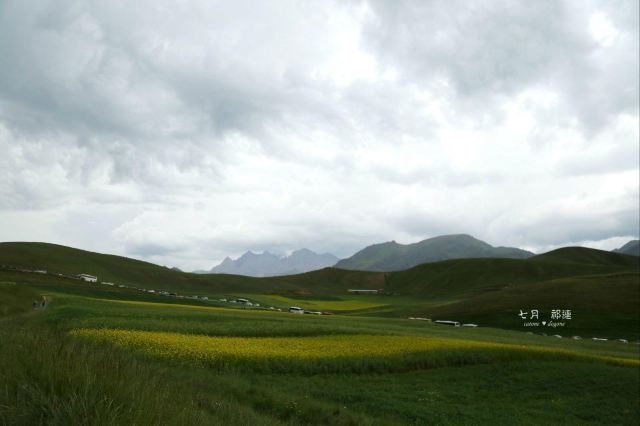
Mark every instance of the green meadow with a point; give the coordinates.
(110, 355)
(99, 355)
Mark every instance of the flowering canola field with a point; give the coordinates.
(325, 353)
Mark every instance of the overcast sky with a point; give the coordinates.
(181, 132)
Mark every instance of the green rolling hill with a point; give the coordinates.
(470, 276)
(582, 255)
(58, 259)
(605, 305)
(602, 288)
(459, 277)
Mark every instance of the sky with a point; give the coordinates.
(181, 132)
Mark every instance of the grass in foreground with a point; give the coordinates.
(49, 378)
(524, 392)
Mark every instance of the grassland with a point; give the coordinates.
(604, 305)
(234, 366)
(601, 288)
(107, 355)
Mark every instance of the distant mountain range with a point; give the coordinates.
(392, 256)
(383, 257)
(268, 264)
(632, 248)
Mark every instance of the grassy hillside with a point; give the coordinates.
(605, 305)
(442, 279)
(15, 299)
(471, 276)
(71, 261)
(121, 270)
(583, 255)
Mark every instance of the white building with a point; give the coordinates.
(88, 278)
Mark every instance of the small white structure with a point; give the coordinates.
(623, 341)
(313, 312)
(599, 339)
(87, 278)
(444, 322)
(296, 310)
(470, 325)
(362, 291)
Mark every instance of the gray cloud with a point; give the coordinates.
(490, 50)
(184, 132)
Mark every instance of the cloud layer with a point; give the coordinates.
(182, 132)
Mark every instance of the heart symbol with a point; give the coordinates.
(544, 323)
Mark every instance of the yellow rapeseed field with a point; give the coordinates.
(195, 346)
(253, 351)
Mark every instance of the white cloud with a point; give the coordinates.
(602, 29)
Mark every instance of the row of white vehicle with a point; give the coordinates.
(299, 310)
